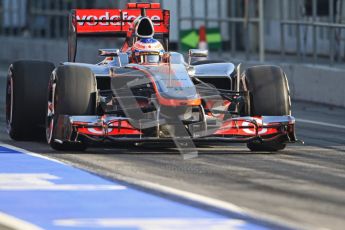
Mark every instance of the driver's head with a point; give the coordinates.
(147, 51)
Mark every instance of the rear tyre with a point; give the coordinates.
(269, 96)
(72, 91)
(26, 94)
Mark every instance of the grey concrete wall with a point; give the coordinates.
(316, 83)
(307, 82)
(311, 83)
(23, 48)
(14, 48)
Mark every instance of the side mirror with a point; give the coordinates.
(196, 53)
(109, 52)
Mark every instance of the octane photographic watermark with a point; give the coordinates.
(175, 123)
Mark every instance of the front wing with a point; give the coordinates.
(112, 128)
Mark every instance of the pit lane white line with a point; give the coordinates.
(16, 224)
(320, 123)
(30, 153)
(207, 201)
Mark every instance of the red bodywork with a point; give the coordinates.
(90, 21)
(227, 129)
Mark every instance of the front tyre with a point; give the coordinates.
(71, 91)
(269, 96)
(271, 146)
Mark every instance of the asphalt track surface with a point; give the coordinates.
(303, 185)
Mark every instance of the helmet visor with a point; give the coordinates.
(152, 58)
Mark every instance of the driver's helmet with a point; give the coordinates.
(148, 51)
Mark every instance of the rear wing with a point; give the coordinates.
(115, 22)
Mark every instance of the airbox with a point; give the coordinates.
(144, 28)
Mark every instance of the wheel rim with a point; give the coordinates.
(9, 101)
(50, 109)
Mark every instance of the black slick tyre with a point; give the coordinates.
(271, 146)
(26, 94)
(269, 96)
(72, 91)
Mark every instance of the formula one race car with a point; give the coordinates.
(145, 93)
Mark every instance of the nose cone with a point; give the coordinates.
(144, 28)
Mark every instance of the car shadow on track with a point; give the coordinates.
(170, 149)
(38, 145)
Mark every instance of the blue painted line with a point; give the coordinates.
(51, 195)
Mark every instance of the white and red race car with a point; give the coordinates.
(123, 100)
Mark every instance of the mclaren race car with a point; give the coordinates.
(145, 93)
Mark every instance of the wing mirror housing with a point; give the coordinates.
(109, 52)
(196, 53)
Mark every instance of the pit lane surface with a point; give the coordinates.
(304, 185)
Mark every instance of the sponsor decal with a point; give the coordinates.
(252, 130)
(115, 20)
(99, 131)
(108, 19)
